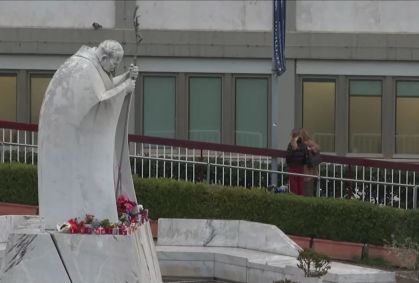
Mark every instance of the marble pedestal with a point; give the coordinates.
(35, 256)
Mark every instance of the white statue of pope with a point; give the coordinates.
(83, 161)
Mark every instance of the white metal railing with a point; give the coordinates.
(381, 186)
(212, 166)
(18, 145)
(381, 182)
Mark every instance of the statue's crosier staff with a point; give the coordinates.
(138, 39)
(138, 36)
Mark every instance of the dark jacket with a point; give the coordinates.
(296, 157)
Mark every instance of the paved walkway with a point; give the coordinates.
(17, 209)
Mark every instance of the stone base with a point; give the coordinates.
(34, 256)
(243, 251)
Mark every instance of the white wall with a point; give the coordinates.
(63, 14)
(357, 68)
(358, 16)
(231, 15)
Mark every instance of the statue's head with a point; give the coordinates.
(110, 54)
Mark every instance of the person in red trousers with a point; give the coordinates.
(296, 159)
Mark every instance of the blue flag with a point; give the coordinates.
(279, 37)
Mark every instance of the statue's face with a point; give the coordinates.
(110, 63)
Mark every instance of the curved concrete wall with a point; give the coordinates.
(57, 14)
(357, 16)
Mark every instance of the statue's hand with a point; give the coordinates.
(131, 86)
(133, 72)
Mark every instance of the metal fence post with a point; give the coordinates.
(415, 197)
(208, 172)
(318, 181)
(274, 175)
(349, 183)
(200, 171)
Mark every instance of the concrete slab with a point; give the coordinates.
(198, 232)
(347, 273)
(32, 254)
(263, 254)
(230, 259)
(187, 268)
(263, 276)
(32, 258)
(184, 255)
(225, 233)
(236, 259)
(230, 272)
(274, 263)
(8, 223)
(113, 258)
(147, 251)
(267, 238)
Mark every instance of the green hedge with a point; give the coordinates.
(18, 183)
(334, 219)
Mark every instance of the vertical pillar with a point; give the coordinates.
(182, 105)
(228, 111)
(341, 116)
(289, 105)
(22, 97)
(274, 123)
(138, 103)
(388, 116)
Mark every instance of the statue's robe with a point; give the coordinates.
(83, 146)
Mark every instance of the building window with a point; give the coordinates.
(407, 115)
(319, 112)
(38, 86)
(159, 106)
(251, 111)
(365, 116)
(8, 97)
(205, 109)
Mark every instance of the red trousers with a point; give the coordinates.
(296, 183)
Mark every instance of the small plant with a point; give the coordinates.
(105, 223)
(312, 263)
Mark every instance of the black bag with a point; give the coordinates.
(313, 159)
(288, 155)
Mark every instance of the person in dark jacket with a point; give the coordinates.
(296, 159)
(309, 169)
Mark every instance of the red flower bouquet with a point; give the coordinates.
(130, 215)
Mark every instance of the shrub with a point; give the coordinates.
(18, 183)
(348, 220)
(312, 263)
(334, 219)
